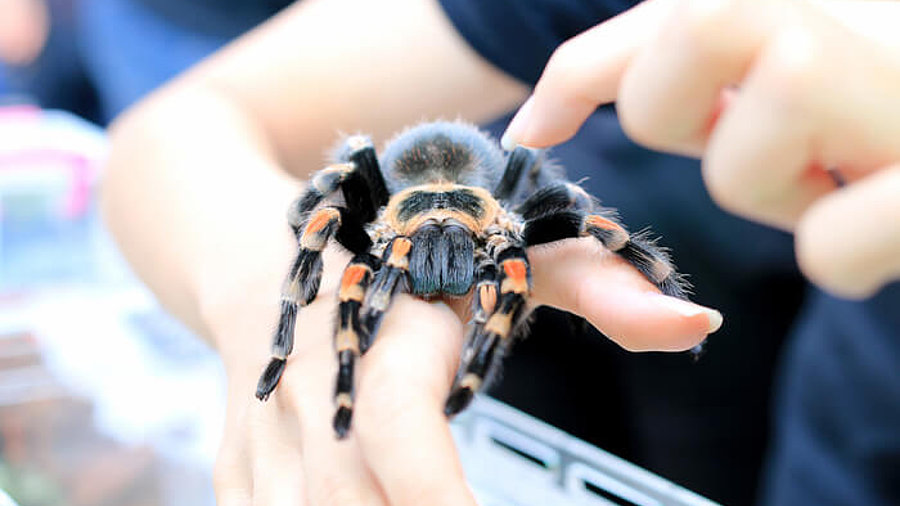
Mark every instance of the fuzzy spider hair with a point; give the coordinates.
(443, 213)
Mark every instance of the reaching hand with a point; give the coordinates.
(770, 94)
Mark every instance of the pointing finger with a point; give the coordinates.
(583, 73)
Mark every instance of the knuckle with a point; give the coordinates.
(653, 114)
(790, 68)
(563, 58)
(565, 73)
(708, 20)
(738, 186)
(381, 402)
(726, 189)
(385, 367)
(639, 123)
(646, 110)
(835, 268)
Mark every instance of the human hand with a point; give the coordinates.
(24, 27)
(400, 449)
(769, 94)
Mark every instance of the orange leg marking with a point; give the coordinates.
(399, 251)
(516, 276)
(312, 237)
(353, 275)
(401, 247)
(350, 282)
(601, 222)
(321, 219)
(487, 295)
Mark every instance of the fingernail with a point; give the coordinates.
(516, 128)
(715, 320)
(686, 308)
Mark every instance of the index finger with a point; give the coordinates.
(583, 278)
(583, 73)
(400, 422)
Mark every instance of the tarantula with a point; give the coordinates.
(441, 214)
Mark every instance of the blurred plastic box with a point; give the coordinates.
(49, 167)
(513, 459)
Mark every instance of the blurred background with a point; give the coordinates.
(92, 372)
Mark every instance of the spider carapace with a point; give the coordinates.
(442, 213)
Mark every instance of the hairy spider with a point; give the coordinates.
(442, 214)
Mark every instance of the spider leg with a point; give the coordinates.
(558, 197)
(521, 163)
(354, 284)
(527, 171)
(323, 184)
(491, 340)
(364, 189)
(367, 289)
(486, 288)
(302, 283)
(359, 177)
(565, 211)
(393, 277)
(484, 301)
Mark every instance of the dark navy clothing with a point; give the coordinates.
(837, 417)
(837, 430)
(218, 18)
(519, 36)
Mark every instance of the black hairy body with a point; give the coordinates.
(442, 213)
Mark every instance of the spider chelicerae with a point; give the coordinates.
(442, 213)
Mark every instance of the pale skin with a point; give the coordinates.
(24, 25)
(767, 94)
(200, 176)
